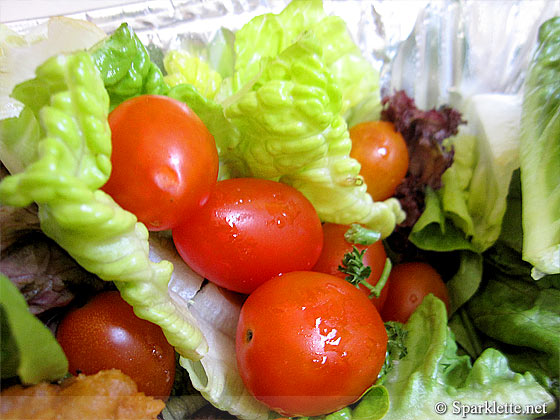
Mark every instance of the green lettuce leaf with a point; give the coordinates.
(465, 282)
(211, 113)
(291, 129)
(126, 68)
(433, 373)
(435, 232)
(20, 136)
(266, 36)
(537, 363)
(182, 67)
(518, 312)
(28, 348)
(373, 405)
(540, 154)
(72, 162)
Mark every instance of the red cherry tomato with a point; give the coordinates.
(105, 334)
(410, 283)
(382, 152)
(249, 231)
(335, 246)
(164, 160)
(309, 343)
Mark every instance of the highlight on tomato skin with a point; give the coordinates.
(410, 283)
(106, 334)
(164, 160)
(250, 231)
(309, 343)
(335, 246)
(383, 156)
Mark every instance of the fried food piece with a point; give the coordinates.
(109, 394)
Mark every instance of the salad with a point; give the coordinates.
(273, 268)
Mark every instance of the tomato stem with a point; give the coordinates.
(376, 290)
(358, 273)
(360, 235)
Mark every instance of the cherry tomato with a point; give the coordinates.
(249, 231)
(164, 160)
(309, 343)
(105, 334)
(410, 283)
(382, 152)
(335, 246)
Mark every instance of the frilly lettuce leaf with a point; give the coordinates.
(28, 348)
(72, 161)
(291, 129)
(432, 372)
(126, 68)
(184, 68)
(540, 154)
(266, 36)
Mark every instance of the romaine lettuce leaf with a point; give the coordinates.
(72, 161)
(433, 373)
(540, 154)
(28, 348)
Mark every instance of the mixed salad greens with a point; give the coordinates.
(279, 100)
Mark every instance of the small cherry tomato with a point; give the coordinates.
(382, 152)
(105, 334)
(249, 231)
(164, 160)
(410, 283)
(309, 343)
(335, 246)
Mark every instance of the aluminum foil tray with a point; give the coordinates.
(432, 49)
